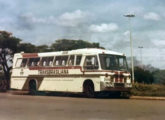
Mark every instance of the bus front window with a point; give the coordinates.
(113, 62)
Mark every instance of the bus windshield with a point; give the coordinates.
(113, 62)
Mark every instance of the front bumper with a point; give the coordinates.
(109, 86)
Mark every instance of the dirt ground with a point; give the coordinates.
(25, 107)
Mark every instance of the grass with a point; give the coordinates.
(148, 90)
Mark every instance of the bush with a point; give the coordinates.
(143, 76)
(148, 90)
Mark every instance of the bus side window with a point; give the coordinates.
(49, 61)
(30, 61)
(46, 61)
(71, 60)
(43, 61)
(91, 62)
(33, 62)
(78, 59)
(18, 63)
(57, 60)
(24, 62)
(64, 60)
(61, 60)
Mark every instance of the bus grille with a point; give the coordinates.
(119, 79)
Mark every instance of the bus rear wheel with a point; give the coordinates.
(89, 89)
(32, 87)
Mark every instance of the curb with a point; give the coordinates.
(147, 98)
(17, 92)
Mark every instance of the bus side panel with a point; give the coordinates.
(67, 84)
(61, 84)
(18, 83)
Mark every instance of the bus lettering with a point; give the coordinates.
(54, 72)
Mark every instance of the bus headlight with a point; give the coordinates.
(128, 80)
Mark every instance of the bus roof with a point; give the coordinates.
(84, 51)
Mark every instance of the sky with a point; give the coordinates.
(44, 21)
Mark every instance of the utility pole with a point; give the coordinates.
(129, 16)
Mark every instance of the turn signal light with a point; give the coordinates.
(106, 74)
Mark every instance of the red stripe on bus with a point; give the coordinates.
(121, 77)
(74, 67)
(116, 79)
(68, 67)
(29, 55)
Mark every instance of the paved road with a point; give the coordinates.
(24, 107)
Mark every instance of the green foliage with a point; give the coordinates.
(143, 76)
(65, 44)
(43, 48)
(27, 47)
(148, 90)
(8, 46)
(159, 77)
(9, 41)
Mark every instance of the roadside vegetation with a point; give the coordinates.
(140, 89)
(149, 81)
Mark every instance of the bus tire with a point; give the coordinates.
(126, 95)
(88, 89)
(32, 87)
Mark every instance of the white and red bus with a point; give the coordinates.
(88, 71)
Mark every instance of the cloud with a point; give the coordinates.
(159, 42)
(43, 20)
(157, 37)
(29, 21)
(126, 33)
(104, 27)
(58, 19)
(68, 19)
(73, 19)
(152, 16)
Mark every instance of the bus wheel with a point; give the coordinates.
(126, 95)
(32, 87)
(89, 89)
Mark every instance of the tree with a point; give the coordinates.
(8, 46)
(27, 47)
(65, 44)
(159, 77)
(43, 48)
(143, 76)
